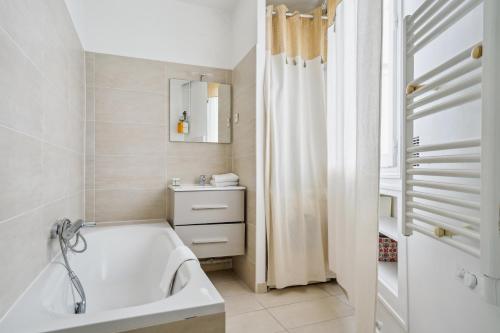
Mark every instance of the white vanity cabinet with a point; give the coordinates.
(210, 220)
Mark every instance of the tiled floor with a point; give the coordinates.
(308, 309)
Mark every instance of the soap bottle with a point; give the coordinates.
(185, 123)
(180, 126)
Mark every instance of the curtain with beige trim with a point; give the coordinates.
(296, 36)
(295, 160)
(332, 9)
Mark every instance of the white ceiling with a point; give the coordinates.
(226, 5)
(303, 6)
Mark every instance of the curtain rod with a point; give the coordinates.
(303, 15)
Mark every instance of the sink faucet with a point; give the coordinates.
(203, 180)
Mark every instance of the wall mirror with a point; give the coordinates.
(200, 111)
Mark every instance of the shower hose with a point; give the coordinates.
(66, 244)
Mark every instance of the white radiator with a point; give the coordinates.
(452, 189)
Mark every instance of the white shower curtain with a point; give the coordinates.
(353, 152)
(295, 174)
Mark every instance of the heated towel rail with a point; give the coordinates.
(451, 189)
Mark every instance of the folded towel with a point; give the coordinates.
(177, 257)
(227, 177)
(223, 184)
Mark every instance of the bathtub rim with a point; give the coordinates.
(198, 298)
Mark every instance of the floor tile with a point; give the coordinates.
(242, 303)
(231, 288)
(341, 325)
(309, 312)
(253, 322)
(291, 295)
(343, 298)
(333, 288)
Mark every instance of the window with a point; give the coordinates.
(388, 115)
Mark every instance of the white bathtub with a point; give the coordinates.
(121, 272)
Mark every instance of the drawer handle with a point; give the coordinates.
(206, 207)
(209, 240)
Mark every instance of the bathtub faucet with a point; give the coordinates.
(65, 231)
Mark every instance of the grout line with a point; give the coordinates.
(29, 211)
(276, 319)
(298, 302)
(100, 189)
(165, 94)
(323, 321)
(84, 212)
(40, 140)
(130, 123)
(94, 210)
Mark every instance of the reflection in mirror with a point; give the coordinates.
(200, 111)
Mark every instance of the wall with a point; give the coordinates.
(129, 157)
(198, 33)
(173, 30)
(438, 302)
(244, 154)
(41, 136)
(244, 29)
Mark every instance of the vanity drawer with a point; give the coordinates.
(202, 207)
(214, 240)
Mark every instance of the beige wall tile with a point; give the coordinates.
(250, 242)
(89, 172)
(113, 138)
(62, 127)
(222, 151)
(244, 74)
(131, 114)
(89, 104)
(55, 172)
(89, 205)
(129, 73)
(138, 172)
(189, 168)
(42, 84)
(245, 269)
(21, 255)
(20, 173)
(245, 168)
(138, 107)
(26, 22)
(89, 138)
(191, 72)
(243, 156)
(76, 86)
(21, 89)
(251, 206)
(89, 69)
(125, 205)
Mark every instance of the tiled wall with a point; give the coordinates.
(41, 136)
(129, 158)
(244, 139)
